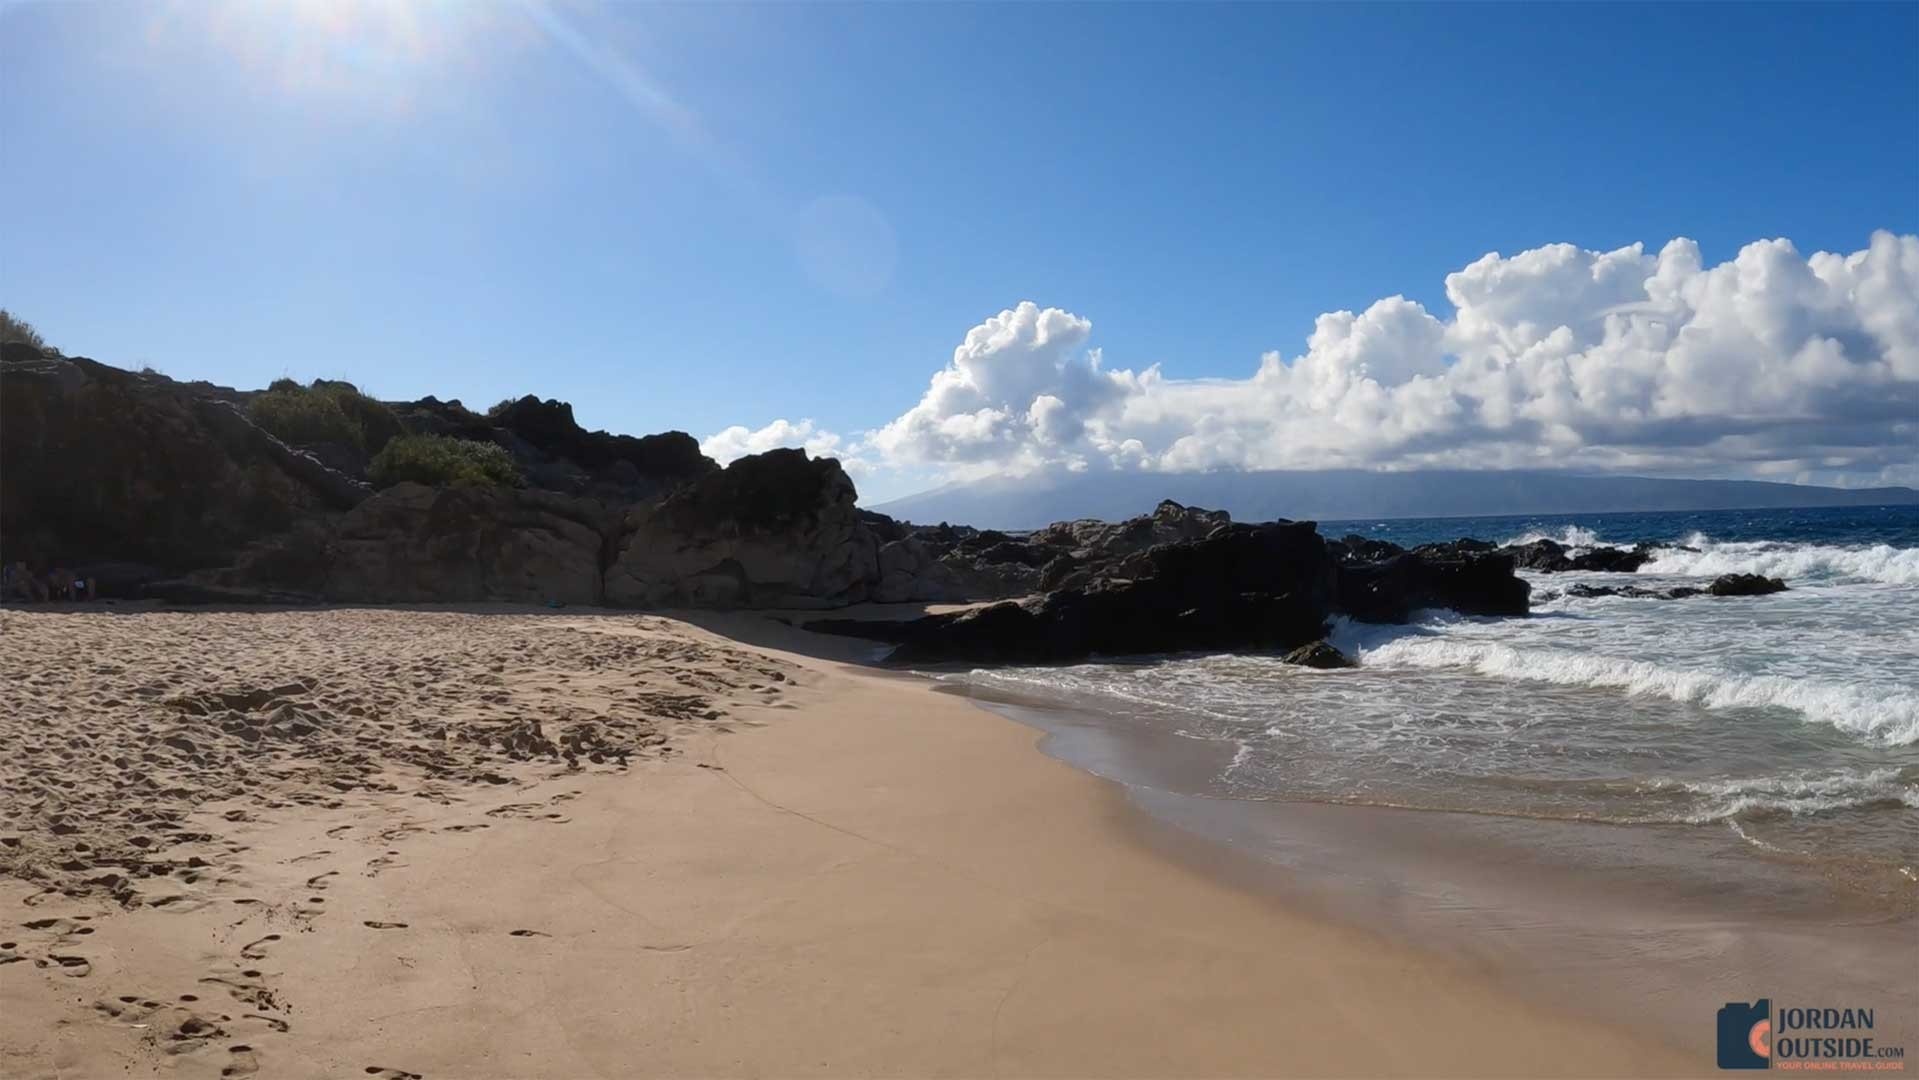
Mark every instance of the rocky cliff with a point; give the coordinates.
(178, 493)
(104, 466)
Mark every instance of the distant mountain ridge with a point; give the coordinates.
(1336, 495)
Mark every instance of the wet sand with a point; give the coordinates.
(514, 843)
(1650, 927)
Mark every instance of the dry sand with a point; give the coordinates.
(524, 844)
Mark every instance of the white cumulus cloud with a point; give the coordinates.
(1770, 364)
(738, 441)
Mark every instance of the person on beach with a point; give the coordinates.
(21, 580)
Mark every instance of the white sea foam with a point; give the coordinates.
(1572, 536)
(1801, 794)
(1881, 714)
(1793, 562)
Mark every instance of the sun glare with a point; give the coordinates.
(376, 52)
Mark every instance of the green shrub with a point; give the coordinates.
(302, 418)
(442, 459)
(329, 411)
(377, 423)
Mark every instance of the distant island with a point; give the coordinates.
(1349, 494)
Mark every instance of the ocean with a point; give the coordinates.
(1752, 762)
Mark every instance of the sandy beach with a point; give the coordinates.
(513, 843)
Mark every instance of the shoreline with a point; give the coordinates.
(864, 876)
(1655, 925)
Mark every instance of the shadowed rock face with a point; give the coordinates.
(773, 530)
(413, 543)
(946, 562)
(571, 459)
(103, 465)
(557, 454)
(1241, 586)
(417, 544)
(1471, 582)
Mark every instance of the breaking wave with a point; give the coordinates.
(1572, 536)
(1793, 562)
(1880, 714)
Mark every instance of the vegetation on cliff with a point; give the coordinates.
(440, 460)
(328, 411)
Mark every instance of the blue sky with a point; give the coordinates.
(699, 216)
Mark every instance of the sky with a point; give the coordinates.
(943, 241)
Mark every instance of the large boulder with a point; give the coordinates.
(1745, 585)
(103, 465)
(1318, 654)
(777, 529)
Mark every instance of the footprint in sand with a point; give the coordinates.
(246, 989)
(243, 1061)
(313, 908)
(78, 967)
(318, 881)
(310, 856)
(392, 1074)
(528, 933)
(273, 1022)
(253, 950)
(128, 1008)
(385, 925)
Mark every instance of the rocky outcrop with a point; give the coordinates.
(1241, 586)
(1320, 655)
(773, 530)
(1745, 585)
(1462, 578)
(620, 467)
(1723, 585)
(100, 465)
(1269, 587)
(557, 454)
(1090, 541)
(955, 563)
(1544, 556)
(1552, 557)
